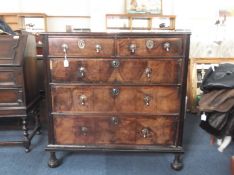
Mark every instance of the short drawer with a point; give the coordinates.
(96, 130)
(81, 47)
(117, 70)
(11, 97)
(125, 99)
(152, 47)
(10, 76)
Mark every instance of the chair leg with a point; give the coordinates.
(26, 135)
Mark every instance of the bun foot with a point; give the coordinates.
(27, 150)
(177, 164)
(53, 161)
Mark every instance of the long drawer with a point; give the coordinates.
(81, 46)
(125, 99)
(135, 130)
(116, 70)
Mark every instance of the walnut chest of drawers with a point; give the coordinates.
(116, 91)
(19, 92)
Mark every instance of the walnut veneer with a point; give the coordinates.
(116, 91)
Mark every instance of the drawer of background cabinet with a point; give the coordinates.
(10, 49)
(75, 46)
(116, 70)
(10, 76)
(11, 97)
(150, 47)
(140, 130)
(125, 99)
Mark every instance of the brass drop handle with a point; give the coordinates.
(167, 46)
(115, 91)
(81, 72)
(84, 130)
(114, 120)
(65, 47)
(115, 63)
(132, 48)
(98, 48)
(19, 101)
(148, 72)
(145, 132)
(83, 100)
(147, 100)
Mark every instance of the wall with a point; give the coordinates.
(207, 40)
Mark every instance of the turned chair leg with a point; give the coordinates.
(38, 123)
(26, 135)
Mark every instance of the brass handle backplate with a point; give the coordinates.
(84, 130)
(83, 100)
(115, 91)
(114, 120)
(148, 72)
(167, 46)
(98, 48)
(145, 132)
(132, 48)
(81, 72)
(147, 100)
(115, 63)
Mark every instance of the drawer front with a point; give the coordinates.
(126, 99)
(88, 47)
(10, 77)
(116, 70)
(8, 49)
(11, 97)
(139, 130)
(150, 47)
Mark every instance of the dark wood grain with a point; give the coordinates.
(100, 99)
(55, 47)
(11, 76)
(125, 130)
(176, 47)
(128, 71)
(11, 97)
(116, 98)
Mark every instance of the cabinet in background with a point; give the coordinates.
(197, 70)
(31, 22)
(140, 22)
(19, 89)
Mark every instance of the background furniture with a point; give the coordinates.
(33, 22)
(19, 90)
(140, 22)
(197, 69)
(118, 92)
